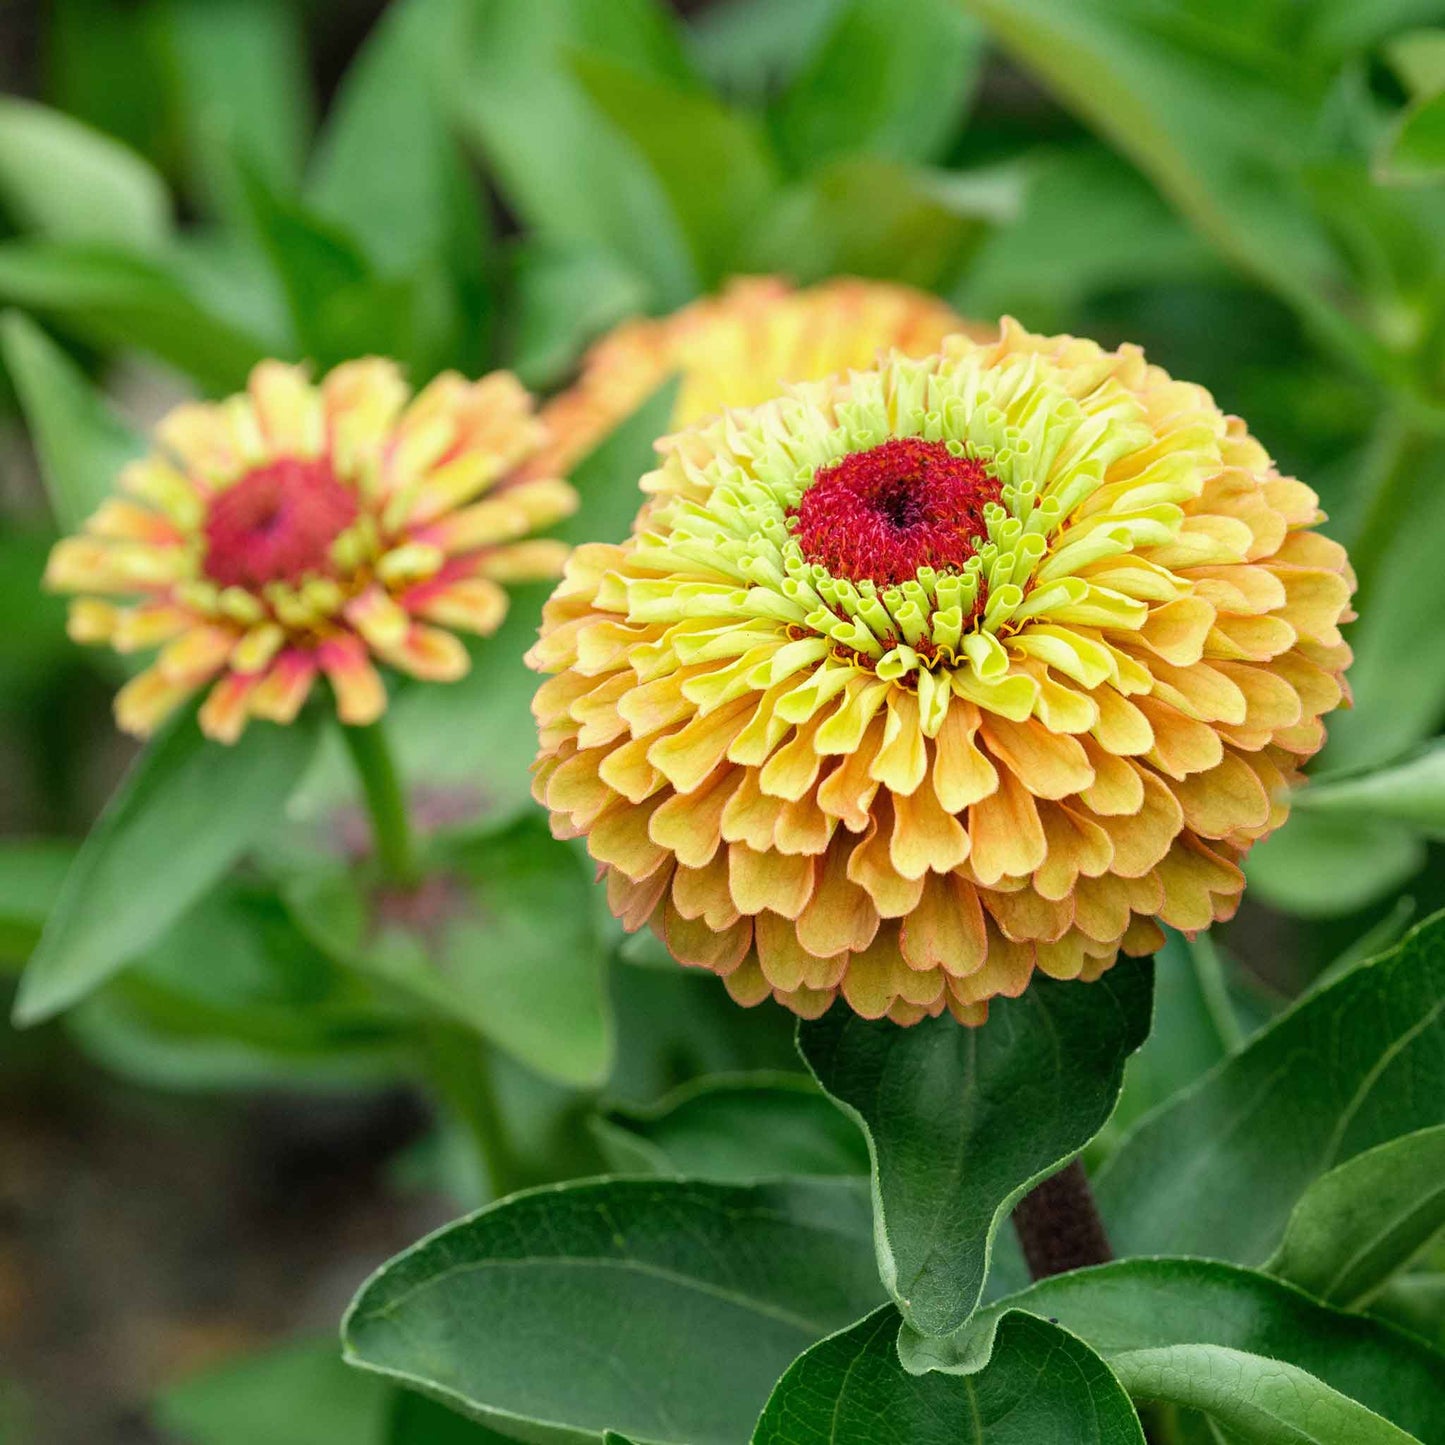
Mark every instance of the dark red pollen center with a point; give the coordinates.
(276, 524)
(884, 513)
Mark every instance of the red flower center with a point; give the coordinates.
(276, 524)
(884, 513)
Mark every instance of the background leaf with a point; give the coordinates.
(1354, 1227)
(961, 1122)
(883, 83)
(700, 1295)
(161, 842)
(67, 182)
(80, 442)
(735, 1129)
(1218, 1171)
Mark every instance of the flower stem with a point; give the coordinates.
(1058, 1225)
(459, 1065)
(385, 803)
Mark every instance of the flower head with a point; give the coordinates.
(737, 349)
(302, 529)
(911, 682)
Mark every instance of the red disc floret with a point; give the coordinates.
(884, 513)
(276, 524)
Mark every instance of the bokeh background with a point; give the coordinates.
(1239, 188)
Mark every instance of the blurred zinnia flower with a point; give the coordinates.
(300, 529)
(912, 681)
(737, 349)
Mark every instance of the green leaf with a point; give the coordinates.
(1415, 1302)
(239, 74)
(751, 49)
(298, 1394)
(712, 163)
(1410, 791)
(339, 305)
(1356, 1226)
(1149, 82)
(1414, 154)
(186, 811)
(1253, 1398)
(962, 1122)
(468, 944)
(123, 301)
(389, 171)
(69, 183)
(881, 83)
(80, 441)
(1041, 1385)
(736, 1129)
(663, 1309)
(868, 217)
(1325, 867)
(31, 874)
(1352, 1065)
(561, 167)
(1146, 1305)
(1418, 58)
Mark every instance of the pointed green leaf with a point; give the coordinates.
(390, 173)
(1218, 1171)
(122, 301)
(186, 811)
(712, 163)
(1257, 1401)
(569, 175)
(1041, 1385)
(1136, 1305)
(239, 76)
(882, 84)
(962, 1122)
(80, 441)
(1415, 153)
(1410, 791)
(662, 1309)
(69, 183)
(1356, 1226)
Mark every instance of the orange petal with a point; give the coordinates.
(1007, 837)
(840, 915)
(780, 882)
(946, 930)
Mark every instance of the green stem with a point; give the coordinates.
(385, 803)
(459, 1065)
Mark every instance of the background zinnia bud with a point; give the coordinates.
(738, 348)
(915, 680)
(300, 529)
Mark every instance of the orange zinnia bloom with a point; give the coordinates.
(913, 681)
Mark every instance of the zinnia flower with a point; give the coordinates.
(737, 349)
(913, 681)
(300, 529)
